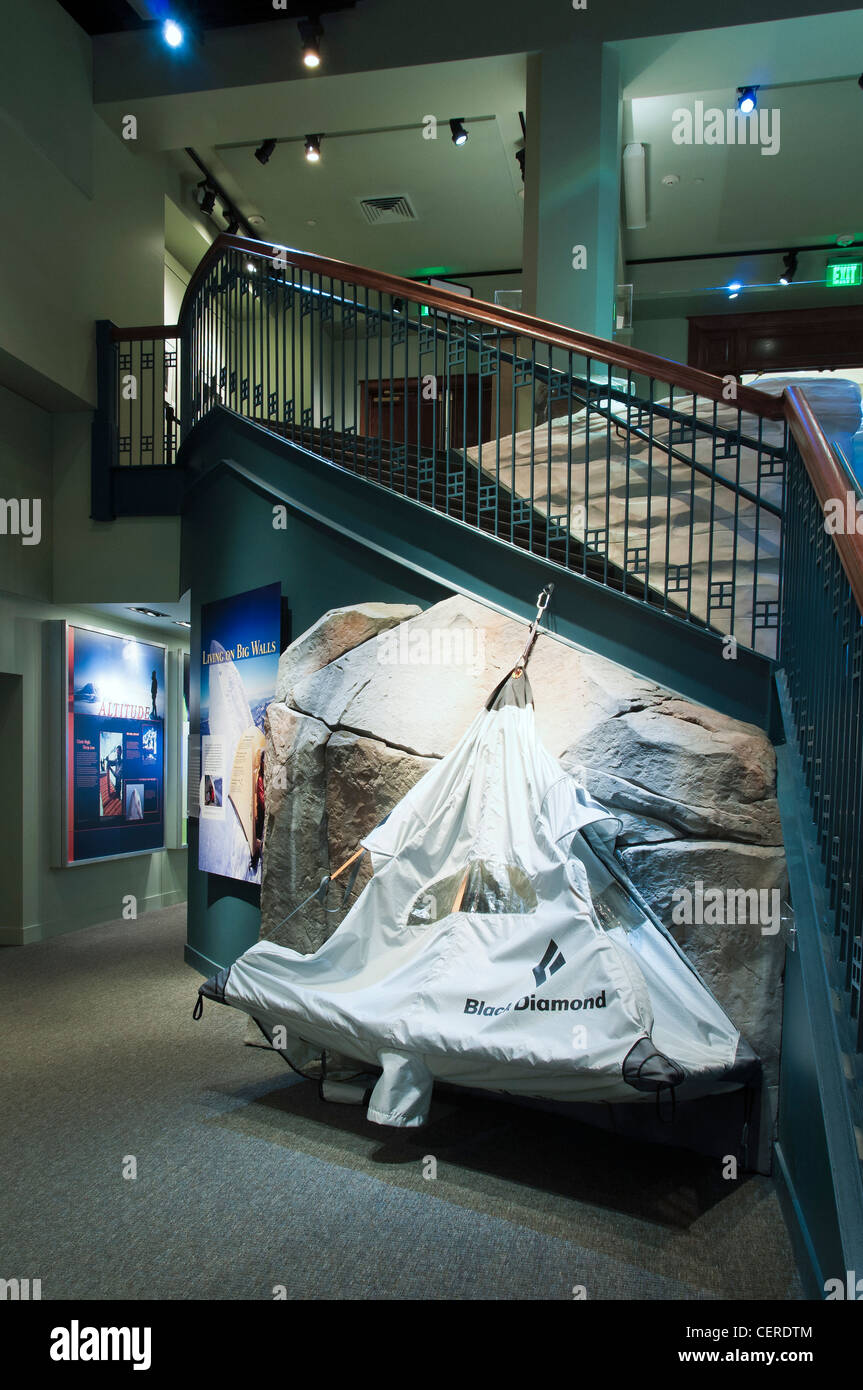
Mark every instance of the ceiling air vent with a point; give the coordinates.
(379, 211)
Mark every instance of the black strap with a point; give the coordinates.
(199, 1007)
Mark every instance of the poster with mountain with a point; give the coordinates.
(239, 662)
(115, 745)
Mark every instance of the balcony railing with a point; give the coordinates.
(821, 656)
(656, 480)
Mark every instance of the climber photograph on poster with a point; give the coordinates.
(239, 660)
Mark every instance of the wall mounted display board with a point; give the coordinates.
(239, 662)
(115, 745)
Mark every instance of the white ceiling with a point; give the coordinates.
(167, 625)
(468, 213)
(733, 197)
(467, 199)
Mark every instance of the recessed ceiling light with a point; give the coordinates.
(311, 222)
(670, 180)
(148, 612)
(181, 622)
(255, 218)
(846, 239)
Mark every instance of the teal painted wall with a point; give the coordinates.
(802, 1157)
(53, 900)
(229, 544)
(46, 456)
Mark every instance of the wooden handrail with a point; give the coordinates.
(509, 321)
(828, 479)
(145, 335)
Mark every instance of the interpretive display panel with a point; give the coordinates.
(115, 745)
(239, 662)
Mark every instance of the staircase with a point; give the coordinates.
(681, 513)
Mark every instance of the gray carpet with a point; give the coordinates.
(245, 1181)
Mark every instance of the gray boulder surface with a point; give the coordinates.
(372, 695)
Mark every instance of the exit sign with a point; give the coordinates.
(844, 274)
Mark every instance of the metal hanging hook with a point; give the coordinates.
(542, 602)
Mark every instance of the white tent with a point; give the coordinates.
(498, 946)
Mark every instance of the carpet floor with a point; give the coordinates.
(245, 1183)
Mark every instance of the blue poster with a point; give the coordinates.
(239, 663)
(115, 745)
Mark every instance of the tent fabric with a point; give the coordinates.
(496, 947)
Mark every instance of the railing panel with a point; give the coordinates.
(822, 656)
(147, 379)
(633, 479)
(662, 496)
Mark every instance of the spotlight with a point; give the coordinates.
(747, 100)
(264, 150)
(313, 148)
(207, 198)
(311, 34)
(173, 33)
(789, 268)
(734, 289)
(251, 267)
(459, 134)
(233, 226)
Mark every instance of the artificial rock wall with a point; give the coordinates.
(371, 695)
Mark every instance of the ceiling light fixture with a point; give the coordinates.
(313, 148)
(206, 197)
(264, 151)
(311, 34)
(173, 33)
(734, 289)
(459, 134)
(789, 268)
(747, 100)
(233, 226)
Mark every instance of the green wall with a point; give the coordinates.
(77, 561)
(318, 570)
(53, 900)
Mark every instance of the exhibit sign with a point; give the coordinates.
(239, 663)
(115, 745)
